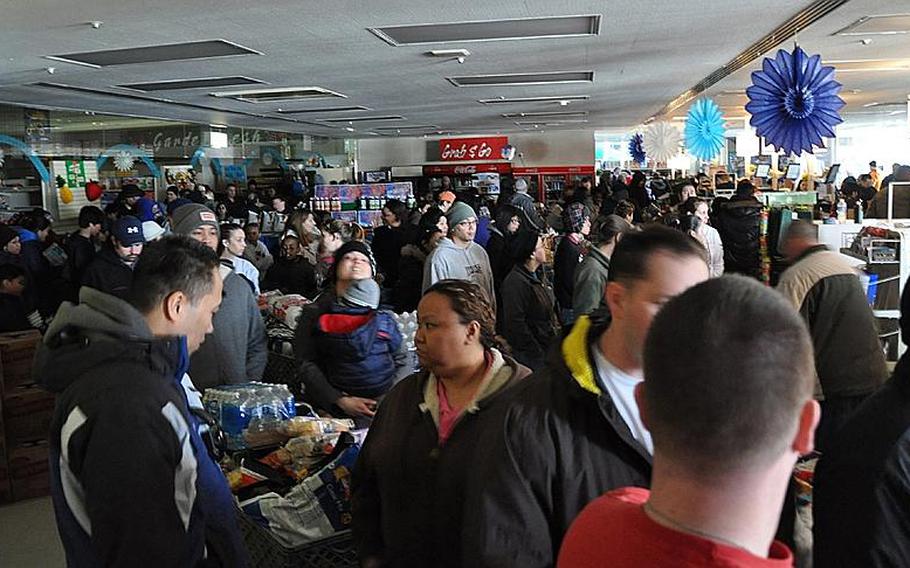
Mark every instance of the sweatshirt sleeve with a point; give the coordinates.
(317, 388)
(432, 271)
(256, 346)
(131, 465)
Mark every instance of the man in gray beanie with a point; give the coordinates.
(236, 351)
(458, 256)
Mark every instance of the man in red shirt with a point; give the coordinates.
(727, 396)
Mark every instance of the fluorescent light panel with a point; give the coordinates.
(523, 79)
(554, 114)
(878, 25)
(520, 100)
(490, 30)
(325, 110)
(279, 94)
(194, 83)
(364, 118)
(205, 49)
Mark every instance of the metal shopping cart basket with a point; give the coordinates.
(266, 551)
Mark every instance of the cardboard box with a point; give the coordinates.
(29, 459)
(17, 352)
(27, 413)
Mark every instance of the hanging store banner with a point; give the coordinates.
(465, 149)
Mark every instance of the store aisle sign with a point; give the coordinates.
(463, 149)
(75, 173)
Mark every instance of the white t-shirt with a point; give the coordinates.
(621, 388)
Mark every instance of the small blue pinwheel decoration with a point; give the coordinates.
(705, 129)
(636, 149)
(793, 101)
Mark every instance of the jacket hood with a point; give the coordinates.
(347, 333)
(414, 251)
(100, 330)
(504, 372)
(575, 350)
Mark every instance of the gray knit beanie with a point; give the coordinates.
(190, 217)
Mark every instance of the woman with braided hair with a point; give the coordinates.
(408, 484)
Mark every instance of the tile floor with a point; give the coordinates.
(28, 535)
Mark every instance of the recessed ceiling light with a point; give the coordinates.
(517, 100)
(193, 83)
(351, 120)
(867, 105)
(205, 49)
(523, 79)
(878, 25)
(349, 128)
(490, 30)
(279, 94)
(558, 114)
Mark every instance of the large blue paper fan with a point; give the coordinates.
(636, 149)
(705, 129)
(794, 101)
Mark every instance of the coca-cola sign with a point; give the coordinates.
(468, 149)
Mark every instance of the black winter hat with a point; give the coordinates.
(522, 245)
(356, 246)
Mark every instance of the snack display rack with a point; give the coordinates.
(360, 203)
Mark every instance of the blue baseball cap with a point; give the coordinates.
(128, 231)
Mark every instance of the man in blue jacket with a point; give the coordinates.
(132, 481)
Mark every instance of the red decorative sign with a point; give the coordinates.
(502, 168)
(465, 149)
(555, 170)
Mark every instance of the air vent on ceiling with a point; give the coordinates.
(365, 118)
(878, 25)
(325, 110)
(555, 114)
(490, 30)
(280, 94)
(521, 79)
(196, 83)
(518, 100)
(802, 20)
(410, 127)
(205, 49)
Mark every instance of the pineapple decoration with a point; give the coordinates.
(66, 194)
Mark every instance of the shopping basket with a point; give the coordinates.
(266, 551)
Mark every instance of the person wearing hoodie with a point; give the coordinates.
(388, 240)
(593, 272)
(34, 229)
(237, 351)
(132, 481)
(361, 351)
(458, 257)
(529, 320)
(432, 228)
(408, 484)
(112, 270)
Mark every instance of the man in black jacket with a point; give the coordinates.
(80, 247)
(862, 485)
(573, 431)
(739, 225)
(112, 270)
(848, 356)
(133, 483)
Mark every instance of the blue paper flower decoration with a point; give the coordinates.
(705, 130)
(636, 149)
(793, 101)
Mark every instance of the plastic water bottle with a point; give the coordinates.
(841, 211)
(858, 214)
